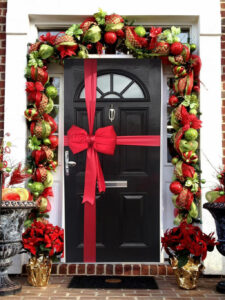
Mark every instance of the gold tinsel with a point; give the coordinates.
(39, 270)
(187, 276)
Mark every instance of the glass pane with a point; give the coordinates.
(112, 96)
(53, 32)
(82, 94)
(120, 82)
(184, 37)
(103, 83)
(98, 95)
(56, 82)
(134, 91)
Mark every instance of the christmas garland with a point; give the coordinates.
(99, 34)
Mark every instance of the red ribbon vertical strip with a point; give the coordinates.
(89, 232)
(90, 80)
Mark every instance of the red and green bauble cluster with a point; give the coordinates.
(95, 35)
(217, 195)
(184, 102)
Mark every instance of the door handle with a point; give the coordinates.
(112, 184)
(68, 163)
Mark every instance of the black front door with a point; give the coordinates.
(127, 214)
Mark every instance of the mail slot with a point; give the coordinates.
(116, 184)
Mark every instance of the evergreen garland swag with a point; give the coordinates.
(110, 34)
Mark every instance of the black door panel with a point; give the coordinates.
(127, 218)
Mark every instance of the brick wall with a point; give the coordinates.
(222, 3)
(3, 9)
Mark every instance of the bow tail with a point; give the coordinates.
(100, 176)
(91, 174)
(90, 177)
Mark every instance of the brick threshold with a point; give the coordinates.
(110, 269)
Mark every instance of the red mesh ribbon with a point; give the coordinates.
(104, 141)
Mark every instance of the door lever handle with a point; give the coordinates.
(68, 163)
(72, 163)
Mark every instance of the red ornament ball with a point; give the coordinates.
(176, 48)
(176, 187)
(120, 33)
(54, 141)
(173, 100)
(110, 37)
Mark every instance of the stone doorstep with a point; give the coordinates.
(109, 269)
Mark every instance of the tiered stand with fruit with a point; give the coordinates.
(14, 209)
(216, 206)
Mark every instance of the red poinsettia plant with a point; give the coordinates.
(42, 238)
(186, 241)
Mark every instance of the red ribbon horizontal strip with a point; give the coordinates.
(139, 140)
(104, 141)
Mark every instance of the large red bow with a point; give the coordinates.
(103, 141)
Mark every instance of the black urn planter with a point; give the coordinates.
(217, 210)
(12, 217)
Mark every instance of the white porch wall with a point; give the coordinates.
(207, 13)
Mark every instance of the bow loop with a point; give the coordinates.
(105, 140)
(77, 139)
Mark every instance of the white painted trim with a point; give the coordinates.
(205, 24)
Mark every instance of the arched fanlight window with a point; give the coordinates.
(117, 86)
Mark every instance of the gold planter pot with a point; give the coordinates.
(187, 276)
(39, 270)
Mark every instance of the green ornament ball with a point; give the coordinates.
(191, 134)
(82, 54)
(49, 181)
(36, 194)
(47, 141)
(222, 193)
(29, 185)
(203, 181)
(51, 91)
(45, 51)
(37, 187)
(8, 169)
(140, 30)
(30, 171)
(50, 106)
(174, 160)
(193, 47)
(193, 111)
